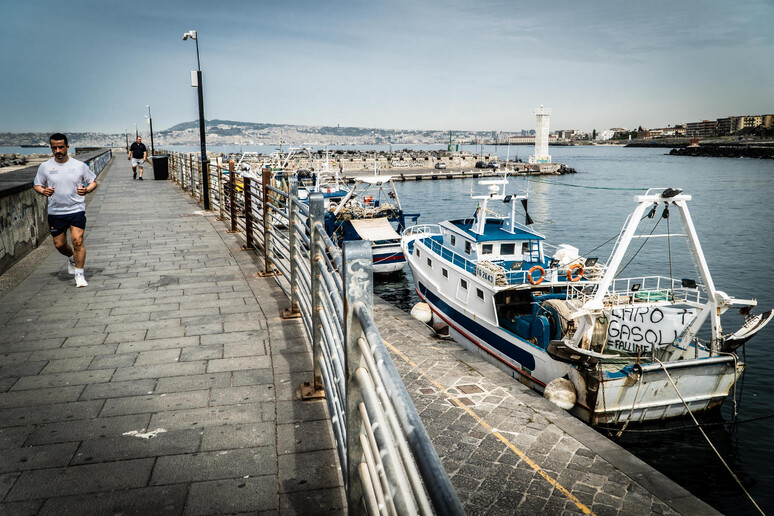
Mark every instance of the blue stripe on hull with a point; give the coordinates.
(489, 337)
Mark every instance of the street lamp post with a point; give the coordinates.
(126, 133)
(150, 122)
(205, 165)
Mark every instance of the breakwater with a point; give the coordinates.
(715, 150)
(406, 161)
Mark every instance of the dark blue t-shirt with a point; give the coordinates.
(138, 150)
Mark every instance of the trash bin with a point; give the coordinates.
(160, 166)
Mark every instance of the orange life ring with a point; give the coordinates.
(571, 269)
(540, 279)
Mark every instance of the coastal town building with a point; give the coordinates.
(703, 129)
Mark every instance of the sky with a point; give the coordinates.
(94, 65)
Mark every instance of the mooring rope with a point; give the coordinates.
(530, 178)
(705, 435)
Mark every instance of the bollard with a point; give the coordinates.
(357, 276)
(248, 212)
(232, 195)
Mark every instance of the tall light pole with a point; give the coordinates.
(126, 133)
(150, 122)
(205, 165)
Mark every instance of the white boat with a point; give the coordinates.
(619, 349)
(371, 211)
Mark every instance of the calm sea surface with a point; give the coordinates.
(733, 211)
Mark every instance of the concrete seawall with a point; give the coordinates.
(23, 223)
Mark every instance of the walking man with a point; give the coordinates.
(138, 153)
(65, 181)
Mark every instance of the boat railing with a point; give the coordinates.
(385, 453)
(491, 272)
(642, 289)
(422, 230)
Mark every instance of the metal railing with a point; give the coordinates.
(642, 289)
(388, 462)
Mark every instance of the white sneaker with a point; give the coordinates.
(70, 267)
(80, 280)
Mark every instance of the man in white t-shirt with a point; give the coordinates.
(65, 181)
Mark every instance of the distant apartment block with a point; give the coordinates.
(703, 129)
(734, 124)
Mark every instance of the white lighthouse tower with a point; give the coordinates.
(541, 137)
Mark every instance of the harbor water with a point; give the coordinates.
(734, 217)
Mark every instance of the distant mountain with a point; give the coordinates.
(232, 132)
(184, 126)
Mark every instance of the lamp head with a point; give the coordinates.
(190, 34)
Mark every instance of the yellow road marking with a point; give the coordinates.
(494, 432)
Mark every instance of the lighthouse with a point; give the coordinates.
(541, 137)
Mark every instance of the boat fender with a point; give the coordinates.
(540, 279)
(560, 392)
(421, 312)
(572, 269)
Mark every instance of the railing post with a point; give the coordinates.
(292, 197)
(206, 180)
(248, 212)
(267, 247)
(232, 195)
(199, 175)
(191, 184)
(357, 276)
(221, 204)
(316, 219)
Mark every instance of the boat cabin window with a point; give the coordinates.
(444, 272)
(464, 284)
(453, 239)
(487, 248)
(480, 293)
(430, 263)
(418, 255)
(525, 247)
(507, 249)
(467, 247)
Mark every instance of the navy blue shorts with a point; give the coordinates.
(58, 224)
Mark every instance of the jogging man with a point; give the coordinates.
(138, 153)
(65, 181)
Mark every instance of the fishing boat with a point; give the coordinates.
(611, 350)
(371, 211)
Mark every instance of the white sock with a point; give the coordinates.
(79, 272)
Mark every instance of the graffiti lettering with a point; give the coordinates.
(643, 328)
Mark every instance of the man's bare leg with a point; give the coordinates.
(79, 250)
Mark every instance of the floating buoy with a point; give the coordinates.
(422, 312)
(560, 392)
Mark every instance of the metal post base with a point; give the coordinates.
(308, 392)
(290, 314)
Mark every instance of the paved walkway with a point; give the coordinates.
(164, 387)
(167, 386)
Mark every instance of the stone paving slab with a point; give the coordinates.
(164, 386)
